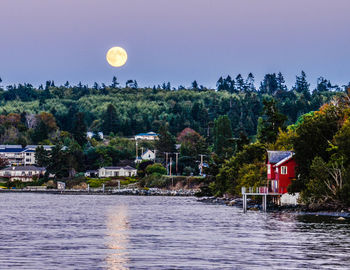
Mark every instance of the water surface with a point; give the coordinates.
(45, 231)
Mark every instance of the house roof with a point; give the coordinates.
(11, 150)
(147, 134)
(276, 156)
(284, 160)
(24, 168)
(19, 148)
(10, 146)
(29, 151)
(128, 168)
(35, 146)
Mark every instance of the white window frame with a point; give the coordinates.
(284, 170)
(269, 168)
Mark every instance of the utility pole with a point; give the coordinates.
(137, 153)
(166, 161)
(155, 155)
(177, 159)
(202, 158)
(201, 165)
(171, 163)
(141, 151)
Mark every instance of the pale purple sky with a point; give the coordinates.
(176, 41)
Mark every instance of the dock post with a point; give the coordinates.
(243, 190)
(88, 188)
(244, 203)
(103, 188)
(264, 202)
(118, 184)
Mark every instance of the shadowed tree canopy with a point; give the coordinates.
(223, 143)
(110, 120)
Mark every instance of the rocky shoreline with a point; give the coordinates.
(136, 192)
(299, 209)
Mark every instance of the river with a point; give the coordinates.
(45, 231)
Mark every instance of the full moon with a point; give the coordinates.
(116, 57)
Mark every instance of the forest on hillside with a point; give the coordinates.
(126, 111)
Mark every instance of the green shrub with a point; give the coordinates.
(96, 183)
(156, 168)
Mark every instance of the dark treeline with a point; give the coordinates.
(128, 110)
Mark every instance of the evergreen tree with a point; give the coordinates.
(47, 85)
(40, 132)
(240, 86)
(195, 85)
(114, 82)
(270, 123)
(242, 141)
(110, 120)
(166, 141)
(131, 84)
(229, 84)
(42, 157)
(79, 129)
(219, 84)
(223, 143)
(269, 84)
(281, 82)
(323, 85)
(96, 86)
(249, 84)
(301, 84)
(57, 163)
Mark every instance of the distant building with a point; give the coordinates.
(90, 135)
(61, 185)
(91, 173)
(22, 173)
(150, 136)
(138, 160)
(17, 155)
(116, 171)
(147, 155)
(280, 170)
(201, 167)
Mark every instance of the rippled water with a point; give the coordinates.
(39, 231)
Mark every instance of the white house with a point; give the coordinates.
(17, 155)
(149, 136)
(22, 173)
(116, 171)
(147, 155)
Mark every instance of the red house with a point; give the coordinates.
(280, 170)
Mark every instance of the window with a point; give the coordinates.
(284, 170)
(269, 168)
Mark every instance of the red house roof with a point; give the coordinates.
(284, 160)
(274, 157)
